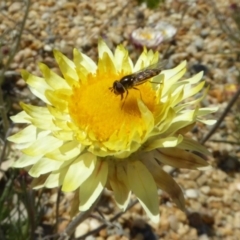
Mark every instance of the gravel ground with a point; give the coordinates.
(212, 197)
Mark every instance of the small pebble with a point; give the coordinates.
(192, 193)
(15, 7)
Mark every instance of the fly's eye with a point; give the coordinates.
(119, 86)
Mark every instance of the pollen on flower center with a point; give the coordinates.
(95, 108)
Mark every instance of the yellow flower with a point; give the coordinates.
(86, 139)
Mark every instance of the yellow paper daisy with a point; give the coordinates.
(85, 139)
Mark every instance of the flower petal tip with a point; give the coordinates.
(155, 219)
(205, 168)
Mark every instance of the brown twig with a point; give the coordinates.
(96, 230)
(73, 224)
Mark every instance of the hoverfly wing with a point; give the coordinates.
(158, 65)
(144, 74)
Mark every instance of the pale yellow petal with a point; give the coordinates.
(36, 135)
(143, 186)
(194, 102)
(38, 183)
(67, 151)
(176, 96)
(163, 142)
(171, 76)
(180, 159)
(53, 79)
(28, 134)
(142, 61)
(25, 161)
(53, 180)
(205, 111)
(67, 67)
(147, 116)
(37, 112)
(62, 124)
(43, 145)
(190, 91)
(181, 121)
(79, 170)
(44, 165)
(192, 80)
(84, 65)
(122, 61)
(164, 124)
(44, 125)
(106, 66)
(37, 85)
(192, 145)
(93, 186)
(21, 146)
(64, 135)
(57, 100)
(104, 49)
(56, 178)
(207, 122)
(21, 117)
(166, 183)
(153, 57)
(58, 114)
(146, 59)
(119, 185)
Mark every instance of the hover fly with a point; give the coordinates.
(132, 80)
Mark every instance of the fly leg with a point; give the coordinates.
(124, 98)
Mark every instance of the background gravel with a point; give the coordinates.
(212, 197)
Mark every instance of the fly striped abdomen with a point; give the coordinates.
(143, 76)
